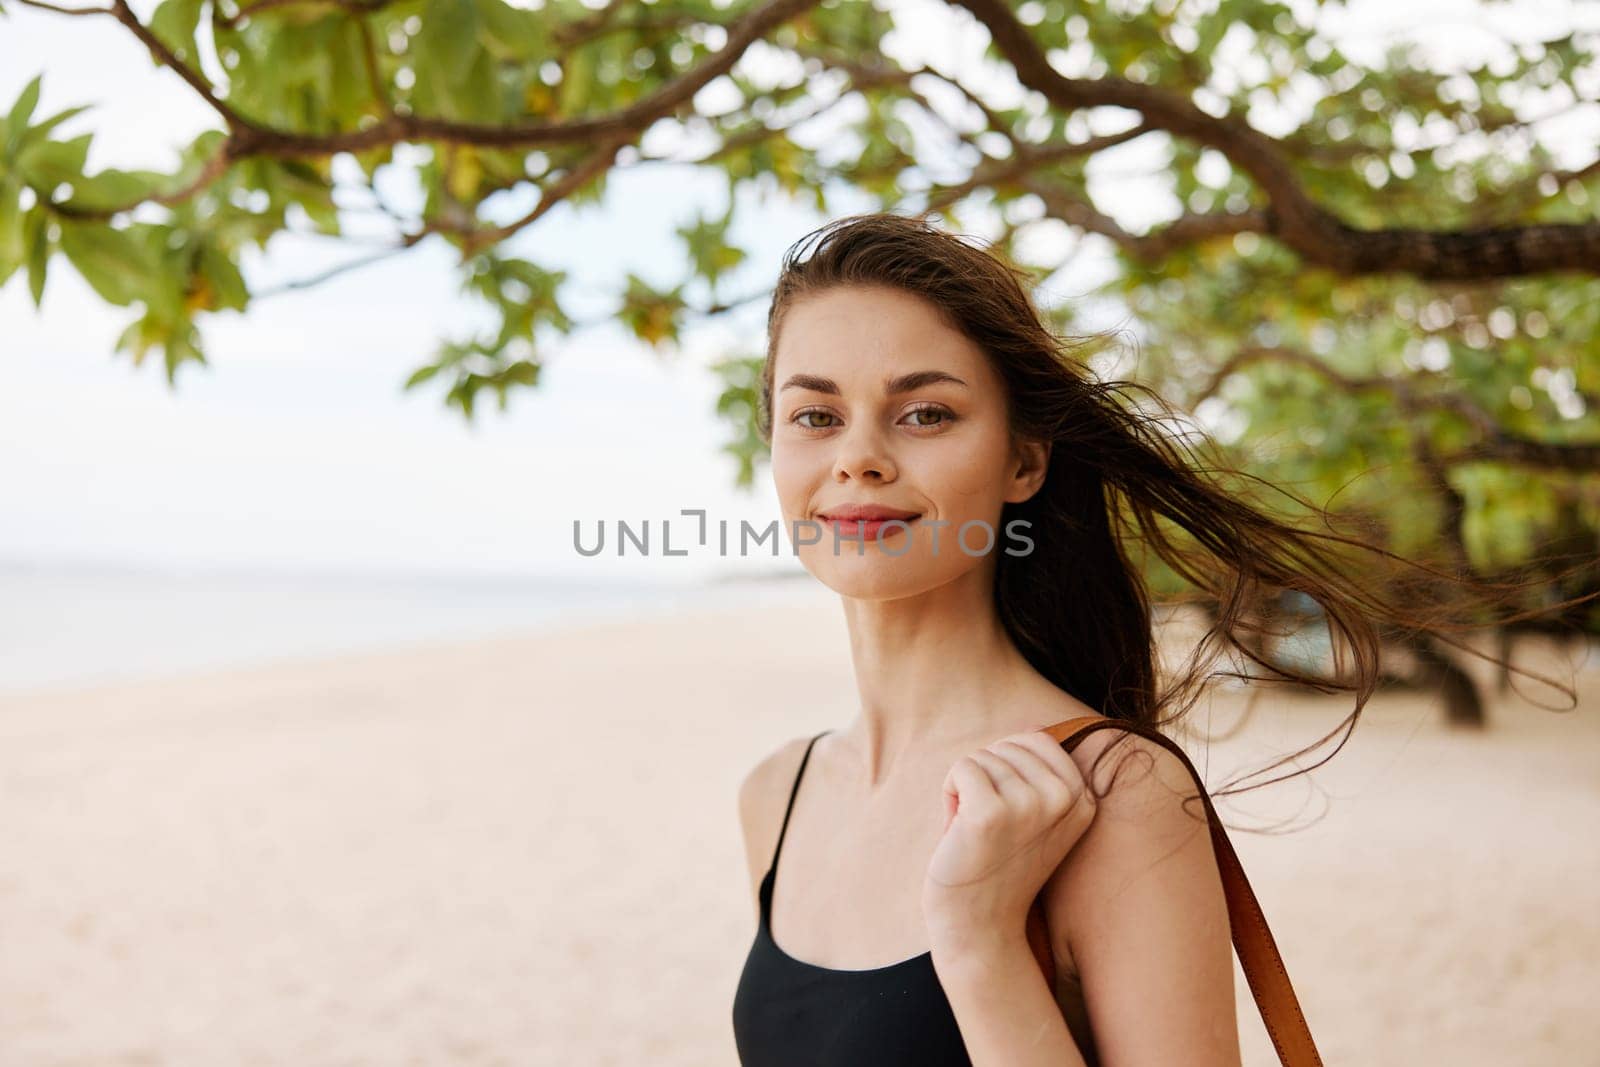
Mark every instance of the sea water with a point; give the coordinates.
(78, 624)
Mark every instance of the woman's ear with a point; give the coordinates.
(1031, 459)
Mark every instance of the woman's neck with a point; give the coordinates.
(936, 675)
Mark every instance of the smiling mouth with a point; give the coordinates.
(869, 528)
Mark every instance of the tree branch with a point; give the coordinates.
(124, 14)
(67, 10)
(1315, 234)
(250, 138)
(354, 7)
(635, 118)
(1498, 445)
(247, 138)
(594, 164)
(1151, 247)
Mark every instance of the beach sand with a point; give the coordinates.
(527, 851)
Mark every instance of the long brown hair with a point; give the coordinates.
(1117, 479)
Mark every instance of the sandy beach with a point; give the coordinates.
(526, 850)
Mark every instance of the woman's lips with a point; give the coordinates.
(867, 529)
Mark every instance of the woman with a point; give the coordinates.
(955, 479)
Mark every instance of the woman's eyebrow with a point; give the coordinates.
(905, 383)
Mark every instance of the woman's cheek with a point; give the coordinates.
(964, 479)
(788, 484)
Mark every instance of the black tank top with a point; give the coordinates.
(788, 1013)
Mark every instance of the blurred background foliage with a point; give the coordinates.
(1376, 285)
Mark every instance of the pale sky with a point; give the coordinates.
(296, 448)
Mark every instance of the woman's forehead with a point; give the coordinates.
(869, 336)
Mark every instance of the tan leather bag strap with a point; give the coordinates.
(1258, 953)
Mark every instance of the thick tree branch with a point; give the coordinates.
(1315, 234)
(1151, 247)
(1498, 445)
(1579, 458)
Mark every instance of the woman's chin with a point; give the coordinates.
(873, 574)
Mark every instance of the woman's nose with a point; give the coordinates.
(863, 455)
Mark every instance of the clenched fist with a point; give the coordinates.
(1013, 810)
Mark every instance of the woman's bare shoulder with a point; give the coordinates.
(1132, 775)
(1146, 803)
(1138, 903)
(763, 792)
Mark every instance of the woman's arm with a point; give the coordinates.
(1140, 899)
(1006, 1013)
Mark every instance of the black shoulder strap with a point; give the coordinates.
(792, 791)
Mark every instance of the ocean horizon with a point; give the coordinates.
(80, 624)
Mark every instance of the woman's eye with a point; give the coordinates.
(940, 416)
(812, 412)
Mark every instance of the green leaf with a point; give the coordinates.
(347, 93)
(650, 313)
(709, 250)
(37, 237)
(577, 81)
(39, 132)
(464, 393)
(183, 346)
(227, 285)
(174, 23)
(293, 58)
(114, 262)
(422, 374)
(46, 164)
(521, 372)
(11, 247)
(176, 338)
(21, 112)
(448, 61)
(113, 190)
(510, 33)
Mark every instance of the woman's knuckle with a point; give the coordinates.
(1061, 802)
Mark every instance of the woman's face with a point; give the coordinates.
(877, 402)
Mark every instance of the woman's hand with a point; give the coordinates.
(1013, 810)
